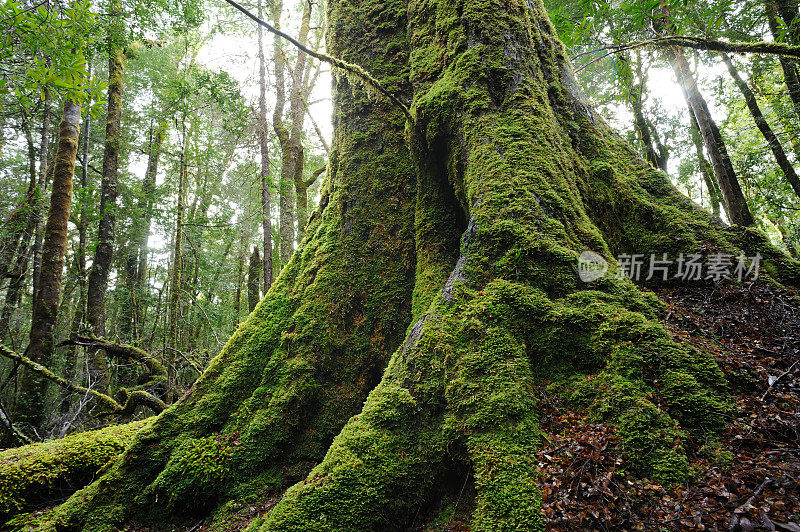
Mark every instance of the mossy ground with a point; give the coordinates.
(460, 233)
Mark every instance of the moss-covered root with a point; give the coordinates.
(34, 474)
(459, 395)
(455, 394)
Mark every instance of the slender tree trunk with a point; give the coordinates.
(706, 170)
(21, 222)
(790, 73)
(32, 209)
(177, 266)
(237, 296)
(104, 250)
(148, 201)
(263, 140)
(45, 306)
(289, 137)
(654, 151)
(761, 122)
(78, 322)
(44, 176)
(253, 275)
(728, 182)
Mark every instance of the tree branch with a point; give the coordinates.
(133, 399)
(124, 351)
(698, 43)
(352, 68)
(61, 381)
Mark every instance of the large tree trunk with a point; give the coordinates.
(48, 292)
(467, 224)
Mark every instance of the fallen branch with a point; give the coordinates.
(777, 380)
(133, 400)
(124, 351)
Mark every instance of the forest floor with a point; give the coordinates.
(753, 331)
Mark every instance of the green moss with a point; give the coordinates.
(33, 473)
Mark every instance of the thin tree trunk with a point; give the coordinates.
(253, 274)
(654, 151)
(790, 74)
(177, 266)
(706, 170)
(44, 176)
(761, 122)
(45, 306)
(237, 296)
(737, 208)
(290, 140)
(21, 222)
(263, 139)
(104, 251)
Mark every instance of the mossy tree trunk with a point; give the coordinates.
(438, 282)
(104, 250)
(45, 307)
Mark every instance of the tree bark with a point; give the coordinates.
(45, 306)
(763, 126)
